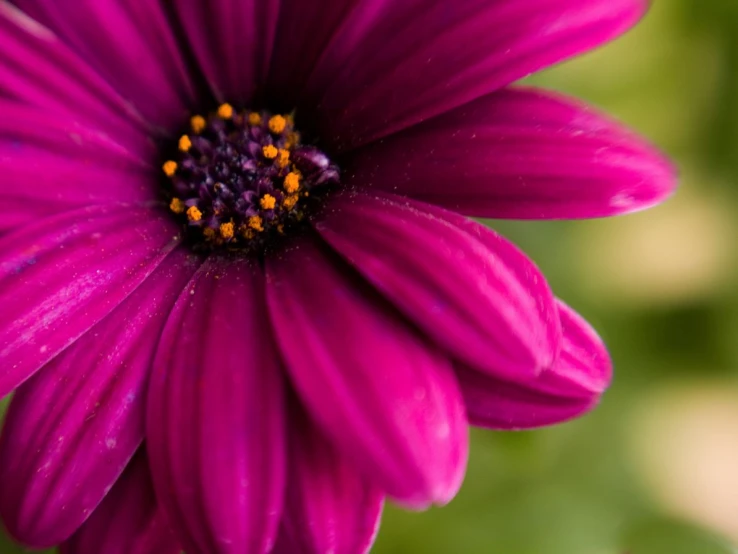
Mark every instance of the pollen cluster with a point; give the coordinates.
(240, 179)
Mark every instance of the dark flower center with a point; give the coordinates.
(241, 180)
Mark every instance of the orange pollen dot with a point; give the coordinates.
(225, 111)
(284, 157)
(268, 202)
(254, 119)
(280, 229)
(255, 223)
(209, 233)
(177, 206)
(270, 151)
(170, 168)
(292, 182)
(277, 123)
(293, 139)
(198, 124)
(185, 143)
(194, 214)
(227, 230)
(248, 233)
(290, 201)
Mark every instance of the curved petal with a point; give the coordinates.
(62, 275)
(519, 153)
(385, 397)
(53, 164)
(433, 56)
(232, 40)
(37, 68)
(128, 521)
(571, 387)
(329, 506)
(215, 422)
(123, 40)
(73, 427)
(470, 290)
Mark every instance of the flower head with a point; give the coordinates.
(238, 325)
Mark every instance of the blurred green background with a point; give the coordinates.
(654, 470)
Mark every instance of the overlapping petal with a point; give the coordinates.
(478, 297)
(54, 164)
(37, 68)
(571, 387)
(215, 423)
(62, 275)
(74, 426)
(329, 506)
(393, 64)
(519, 153)
(232, 40)
(381, 393)
(125, 41)
(129, 521)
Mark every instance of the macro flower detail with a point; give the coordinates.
(242, 299)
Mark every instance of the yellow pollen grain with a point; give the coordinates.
(280, 229)
(177, 206)
(225, 111)
(255, 223)
(185, 143)
(194, 214)
(268, 202)
(290, 201)
(283, 158)
(254, 119)
(170, 168)
(270, 151)
(209, 233)
(227, 230)
(293, 139)
(277, 123)
(198, 124)
(292, 182)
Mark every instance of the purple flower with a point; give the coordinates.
(238, 301)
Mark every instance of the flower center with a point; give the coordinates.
(241, 180)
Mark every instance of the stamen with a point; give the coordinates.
(268, 202)
(292, 182)
(277, 124)
(177, 206)
(270, 151)
(227, 230)
(170, 168)
(290, 201)
(255, 222)
(225, 111)
(254, 119)
(194, 214)
(198, 124)
(185, 143)
(283, 158)
(240, 179)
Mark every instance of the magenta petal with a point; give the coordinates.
(519, 153)
(37, 68)
(72, 428)
(232, 40)
(433, 56)
(128, 521)
(215, 423)
(64, 274)
(384, 396)
(571, 387)
(53, 164)
(124, 40)
(469, 289)
(329, 507)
